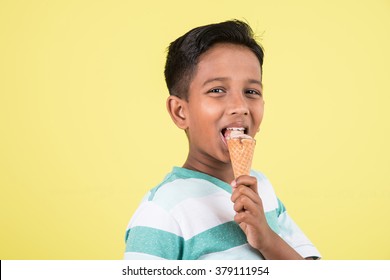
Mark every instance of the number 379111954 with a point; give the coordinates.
(229, 270)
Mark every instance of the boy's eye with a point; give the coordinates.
(216, 90)
(253, 92)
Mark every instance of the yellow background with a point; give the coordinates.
(85, 133)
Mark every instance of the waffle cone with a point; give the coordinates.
(241, 154)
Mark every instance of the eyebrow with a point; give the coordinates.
(218, 79)
(222, 79)
(254, 81)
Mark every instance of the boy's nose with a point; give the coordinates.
(238, 105)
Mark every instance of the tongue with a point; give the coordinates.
(229, 134)
(236, 133)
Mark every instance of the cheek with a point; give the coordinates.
(202, 115)
(259, 113)
(208, 111)
(211, 106)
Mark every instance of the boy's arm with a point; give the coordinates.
(250, 216)
(275, 248)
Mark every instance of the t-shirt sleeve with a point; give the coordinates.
(153, 234)
(294, 236)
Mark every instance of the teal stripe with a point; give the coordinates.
(170, 246)
(154, 242)
(174, 193)
(272, 220)
(127, 235)
(216, 239)
(185, 173)
(182, 184)
(281, 208)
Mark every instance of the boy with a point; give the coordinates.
(200, 211)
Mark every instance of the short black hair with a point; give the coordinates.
(183, 53)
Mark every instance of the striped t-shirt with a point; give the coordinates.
(190, 216)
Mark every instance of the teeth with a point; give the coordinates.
(236, 128)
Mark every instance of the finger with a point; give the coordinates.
(248, 181)
(240, 217)
(247, 218)
(245, 204)
(239, 205)
(245, 191)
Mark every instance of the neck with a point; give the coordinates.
(222, 171)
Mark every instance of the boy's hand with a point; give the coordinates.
(251, 218)
(250, 212)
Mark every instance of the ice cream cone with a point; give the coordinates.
(241, 154)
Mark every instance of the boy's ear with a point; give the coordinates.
(177, 109)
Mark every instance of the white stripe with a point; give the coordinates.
(243, 252)
(173, 193)
(266, 192)
(211, 206)
(294, 236)
(149, 214)
(200, 213)
(196, 215)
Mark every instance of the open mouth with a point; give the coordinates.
(227, 131)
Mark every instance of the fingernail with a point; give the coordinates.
(233, 183)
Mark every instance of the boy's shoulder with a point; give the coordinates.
(182, 183)
(186, 178)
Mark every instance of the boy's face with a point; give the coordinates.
(226, 91)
